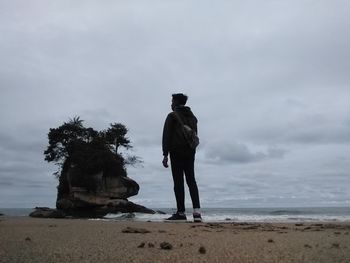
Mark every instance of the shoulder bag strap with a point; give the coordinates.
(178, 118)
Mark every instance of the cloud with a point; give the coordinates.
(235, 152)
(302, 129)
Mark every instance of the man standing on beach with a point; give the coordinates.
(182, 156)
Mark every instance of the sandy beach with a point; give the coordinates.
(24, 239)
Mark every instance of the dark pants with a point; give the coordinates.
(183, 163)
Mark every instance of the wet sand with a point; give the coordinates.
(73, 240)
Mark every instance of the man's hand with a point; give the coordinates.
(165, 162)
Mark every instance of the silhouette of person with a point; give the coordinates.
(182, 156)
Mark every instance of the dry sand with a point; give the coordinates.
(73, 240)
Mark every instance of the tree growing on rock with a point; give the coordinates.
(82, 152)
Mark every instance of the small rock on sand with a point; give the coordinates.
(202, 250)
(335, 245)
(28, 239)
(166, 246)
(141, 245)
(270, 240)
(135, 230)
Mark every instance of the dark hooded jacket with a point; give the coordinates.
(173, 137)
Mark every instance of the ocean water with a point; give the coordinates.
(250, 215)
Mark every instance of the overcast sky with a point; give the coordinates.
(268, 80)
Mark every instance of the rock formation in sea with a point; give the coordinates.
(93, 179)
(109, 195)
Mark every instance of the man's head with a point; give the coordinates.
(179, 99)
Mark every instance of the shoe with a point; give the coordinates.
(197, 218)
(177, 218)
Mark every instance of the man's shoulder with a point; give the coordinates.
(170, 116)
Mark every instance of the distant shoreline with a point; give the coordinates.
(251, 215)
